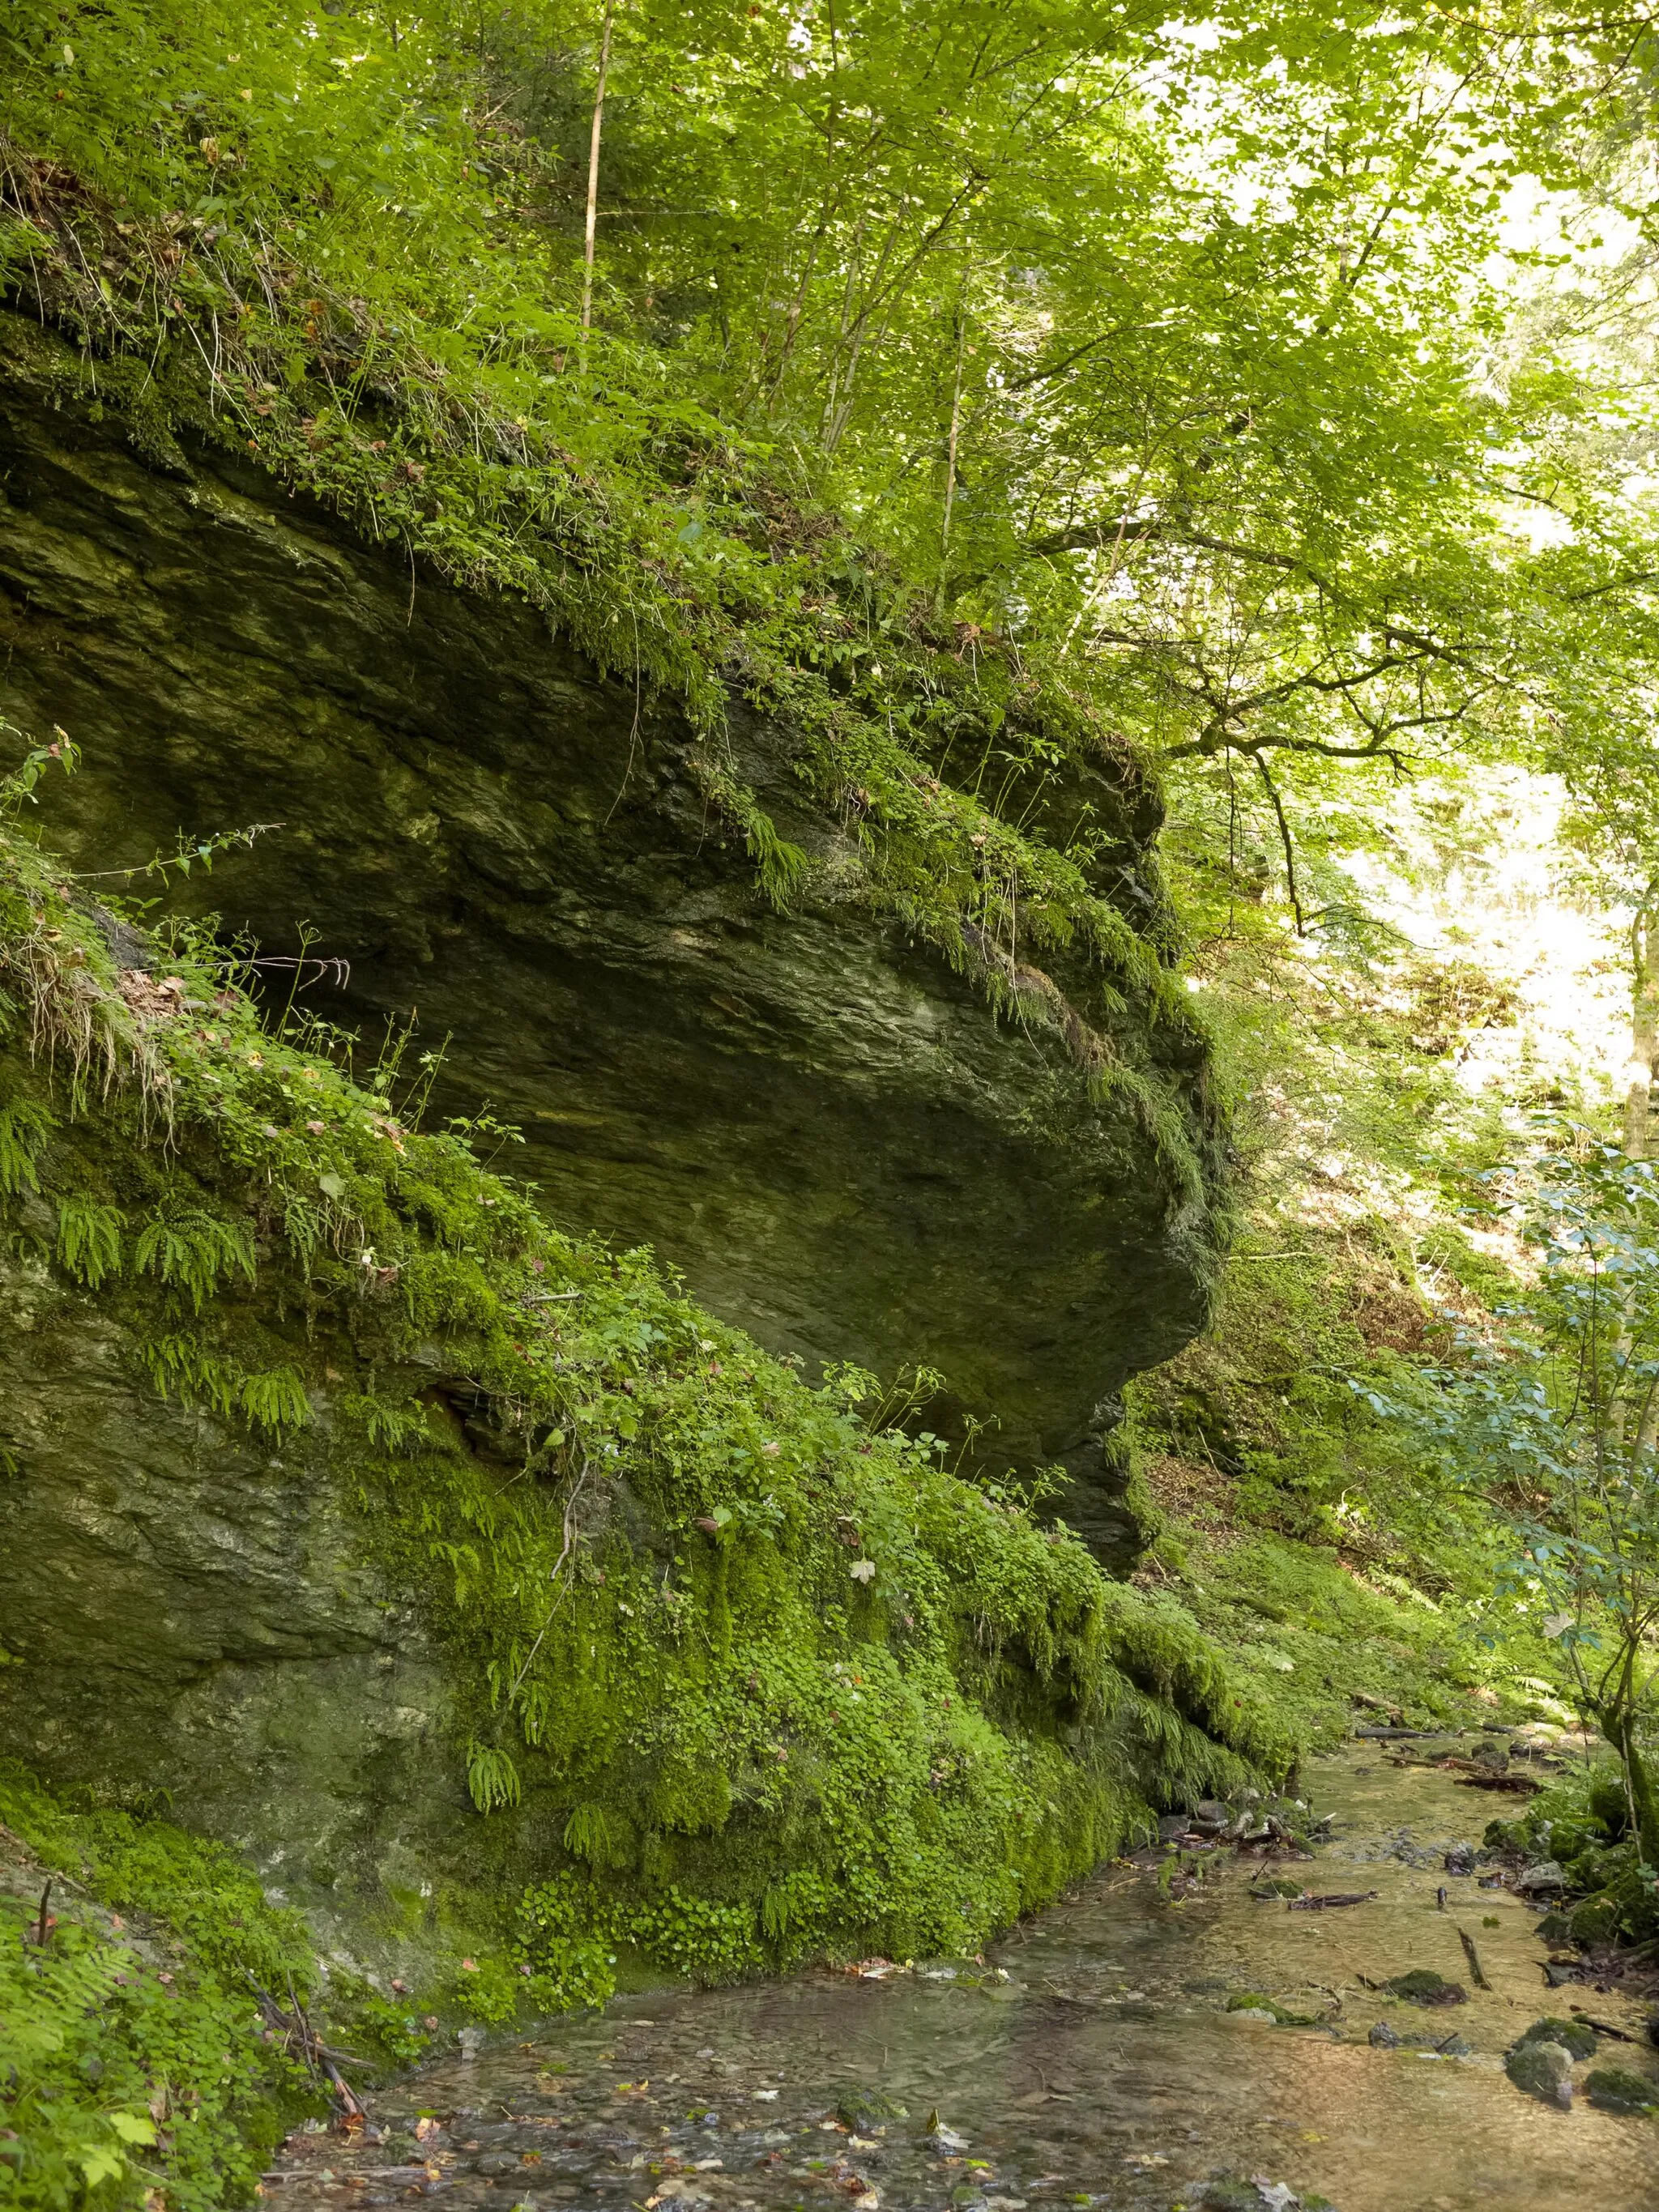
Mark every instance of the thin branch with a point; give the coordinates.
(1284, 840)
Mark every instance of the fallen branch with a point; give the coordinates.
(1473, 1958)
(319, 2057)
(1328, 1903)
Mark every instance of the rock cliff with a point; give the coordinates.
(811, 1115)
(474, 1580)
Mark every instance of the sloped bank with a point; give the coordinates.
(817, 1116)
(475, 1583)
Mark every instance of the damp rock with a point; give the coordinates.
(1420, 1985)
(1544, 1878)
(1543, 2070)
(1383, 2037)
(1574, 2037)
(869, 2113)
(1251, 2004)
(1616, 2089)
(1460, 1859)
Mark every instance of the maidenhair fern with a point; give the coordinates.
(190, 1249)
(491, 1776)
(594, 1834)
(89, 1239)
(275, 1402)
(24, 1127)
(180, 1369)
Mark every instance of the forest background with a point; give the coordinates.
(1268, 396)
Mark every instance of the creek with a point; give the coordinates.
(1090, 2059)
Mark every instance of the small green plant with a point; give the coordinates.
(1557, 1422)
(24, 1127)
(191, 1250)
(491, 1776)
(134, 2060)
(89, 1239)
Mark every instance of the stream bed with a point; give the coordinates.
(1090, 2060)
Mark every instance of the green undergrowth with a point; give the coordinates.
(134, 2053)
(752, 1681)
(1327, 1644)
(312, 264)
(1299, 1529)
(1583, 1823)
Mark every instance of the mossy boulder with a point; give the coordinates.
(1422, 1986)
(1574, 2037)
(1543, 2070)
(819, 1115)
(1617, 2089)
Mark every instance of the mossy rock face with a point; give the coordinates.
(490, 1595)
(812, 1115)
(197, 1626)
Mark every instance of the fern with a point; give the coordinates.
(189, 1250)
(24, 1127)
(180, 1369)
(89, 1239)
(392, 1428)
(275, 1402)
(592, 1834)
(491, 1776)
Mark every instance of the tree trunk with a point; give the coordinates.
(1643, 1031)
(592, 229)
(1620, 1729)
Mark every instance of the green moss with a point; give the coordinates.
(1574, 2037)
(1618, 2089)
(749, 1681)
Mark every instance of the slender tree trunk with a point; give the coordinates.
(1620, 1729)
(1638, 1085)
(593, 180)
(1643, 1031)
(950, 458)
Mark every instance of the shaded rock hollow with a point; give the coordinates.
(824, 1127)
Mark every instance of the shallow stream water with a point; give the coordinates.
(1090, 2060)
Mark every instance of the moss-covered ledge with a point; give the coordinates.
(867, 1127)
(469, 1578)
